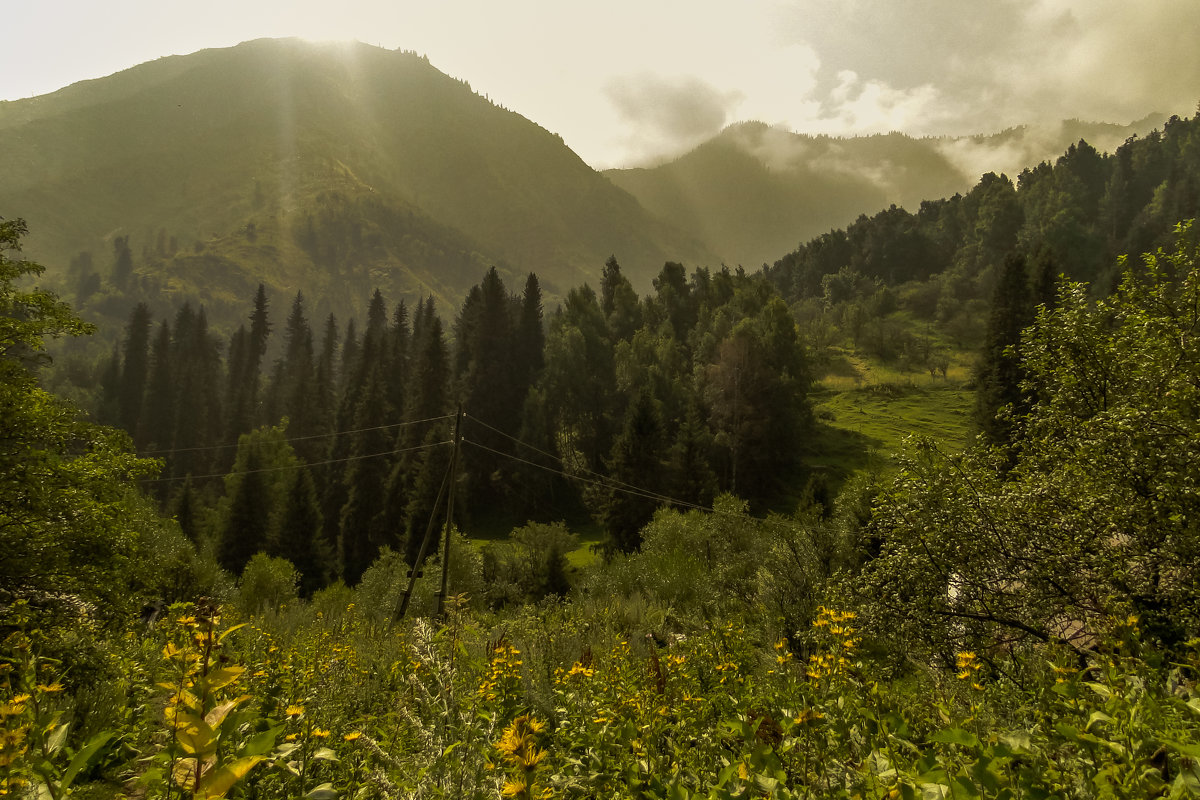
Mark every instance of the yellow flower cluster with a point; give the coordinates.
(837, 625)
(518, 749)
(968, 665)
(503, 673)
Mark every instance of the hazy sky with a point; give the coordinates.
(624, 81)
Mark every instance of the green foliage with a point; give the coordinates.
(530, 566)
(65, 484)
(267, 583)
(1087, 513)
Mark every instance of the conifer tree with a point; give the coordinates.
(298, 536)
(486, 372)
(246, 527)
(158, 407)
(689, 473)
(186, 511)
(635, 467)
(999, 372)
(122, 262)
(398, 356)
(362, 532)
(134, 368)
(197, 421)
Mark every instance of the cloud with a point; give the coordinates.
(970, 66)
(666, 116)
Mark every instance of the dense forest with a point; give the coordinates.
(241, 583)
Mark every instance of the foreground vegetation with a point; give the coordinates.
(1018, 620)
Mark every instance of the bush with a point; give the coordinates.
(267, 583)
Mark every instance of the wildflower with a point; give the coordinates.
(51, 689)
(351, 736)
(319, 733)
(294, 711)
(513, 788)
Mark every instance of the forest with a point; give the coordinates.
(297, 559)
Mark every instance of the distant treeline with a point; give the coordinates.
(339, 448)
(1077, 215)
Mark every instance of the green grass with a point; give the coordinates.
(865, 411)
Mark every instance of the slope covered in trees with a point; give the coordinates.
(329, 168)
(1017, 621)
(609, 408)
(753, 191)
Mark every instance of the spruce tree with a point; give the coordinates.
(298, 536)
(999, 373)
(634, 467)
(134, 368)
(246, 527)
(362, 532)
(156, 429)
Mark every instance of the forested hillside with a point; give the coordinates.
(335, 169)
(268, 581)
(755, 191)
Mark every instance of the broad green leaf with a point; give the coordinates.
(221, 780)
(325, 754)
(217, 715)
(955, 736)
(59, 735)
(84, 758)
(194, 735)
(222, 677)
(260, 743)
(323, 792)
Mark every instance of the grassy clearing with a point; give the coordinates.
(865, 411)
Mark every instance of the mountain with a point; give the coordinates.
(755, 191)
(328, 168)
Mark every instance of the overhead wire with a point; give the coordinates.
(608, 479)
(626, 488)
(601, 480)
(169, 451)
(395, 452)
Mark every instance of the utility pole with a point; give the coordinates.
(453, 478)
(415, 571)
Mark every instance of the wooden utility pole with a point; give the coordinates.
(453, 478)
(414, 571)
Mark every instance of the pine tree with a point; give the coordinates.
(247, 526)
(362, 532)
(158, 407)
(486, 372)
(122, 262)
(635, 467)
(999, 372)
(298, 536)
(185, 510)
(134, 368)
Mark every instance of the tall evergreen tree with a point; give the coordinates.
(122, 269)
(134, 368)
(362, 530)
(635, 466)
(156, 429)
(298, 536)
(999, 373)
(246, 527)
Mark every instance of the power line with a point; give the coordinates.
(604, 481)
(604, 484)
(299, 466)
(607, 479)
(147, 453)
